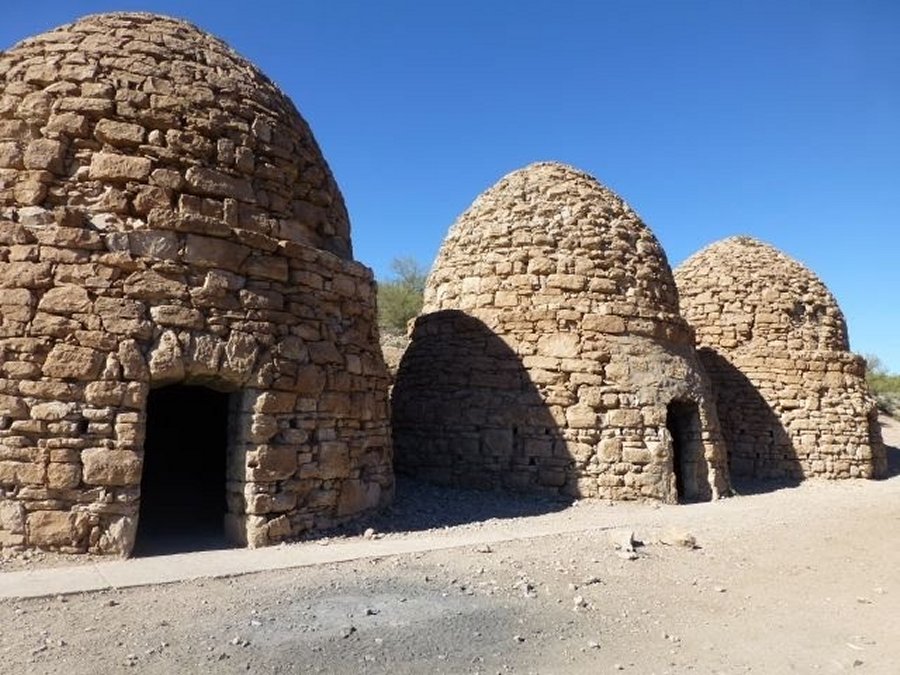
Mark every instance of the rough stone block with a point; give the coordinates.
(12, 516)
(275, 402)
(111, 467)
(113, 167)
(63, 476)
(216, 183)
(51, 528)
(214, 252)
(357, 496)
(30, 471)
(66, 299)
(119, 133)
(44, 154)
(334, 460)
(72, 362)
(274, 462)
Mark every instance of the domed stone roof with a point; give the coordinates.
(792, 400)
(740, 291)
(175, 255)
(549, 233)
(550, 354)
(125, 116)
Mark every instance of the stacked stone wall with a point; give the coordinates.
(146, 248)
(792, 399)
(146, 121)
(549, 349)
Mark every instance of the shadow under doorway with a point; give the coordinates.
(688, 463)
(183, 506)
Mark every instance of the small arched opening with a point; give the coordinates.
(688, 463)
(183, 482)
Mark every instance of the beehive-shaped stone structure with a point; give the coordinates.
(166, 218)
(551, 356)
(792, 399)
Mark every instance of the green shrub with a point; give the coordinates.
(885, 386)
(400, 298)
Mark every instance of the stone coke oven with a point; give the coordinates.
(792, 399)
(170, 233)
(550, 354)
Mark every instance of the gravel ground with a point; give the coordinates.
(791, 580)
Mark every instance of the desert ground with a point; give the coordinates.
(776, 580)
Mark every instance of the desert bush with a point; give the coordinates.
(884, 385)
(400, 297)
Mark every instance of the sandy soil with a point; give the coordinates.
(791, 580)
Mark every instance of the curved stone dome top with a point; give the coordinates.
(549, 234)
(140, 120)
(740, 292)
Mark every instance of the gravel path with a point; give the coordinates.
(783, 580)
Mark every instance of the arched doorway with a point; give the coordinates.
(183, 482)
(688, 463)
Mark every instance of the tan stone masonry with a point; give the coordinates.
(792, 399)
(550, 354)
(166, 217)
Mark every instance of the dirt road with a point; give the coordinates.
(797, 580)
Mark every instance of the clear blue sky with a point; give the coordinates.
(777, 119)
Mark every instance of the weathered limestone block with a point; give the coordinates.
(13, 406)
(166, 361)
(105, 393)
(176, 316)
(119, 133)
(241, 352)
(67, 299)
(581, 417)
(51, 411)
(218, 184)
(334, 460)
(21, 473)
(71, 362)
(151, 285)
(11, 155)
(154, 244)
(275, 402)
(214, 252)
(45, 154)
(111, 467)
(274, 462)
(90, 107)
(12, 516)
(63, 476)
(53, 529)
(71, 124)
(263, 428)
(134, 366)
(113, 167)
(358, 496)
(25, 275)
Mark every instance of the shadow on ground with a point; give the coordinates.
(891, 451)
(188, 541)
(422, 506)
(745, 486)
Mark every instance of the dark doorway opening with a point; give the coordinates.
(183, 481)
(683, 423)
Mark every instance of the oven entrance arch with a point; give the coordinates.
(183, 482)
